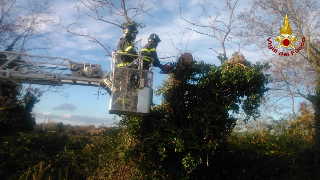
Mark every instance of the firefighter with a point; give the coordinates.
(125, 49)
(126, 55)
(150, 53)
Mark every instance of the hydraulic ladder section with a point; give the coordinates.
(17, 68)
(130, 87)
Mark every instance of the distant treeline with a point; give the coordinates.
(70, 129)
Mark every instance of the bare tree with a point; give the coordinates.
(6, 11)
(117, 13)
(295, 76)
(24, 25)
(220, 30)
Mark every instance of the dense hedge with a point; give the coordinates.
(246, 154)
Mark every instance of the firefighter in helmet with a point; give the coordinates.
(125, 49)
(126, 55)
(150, 53)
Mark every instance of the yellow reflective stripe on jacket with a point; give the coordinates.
(125, 51)
(148, 50)
(121, 52)
(123, 64)
(128, 48)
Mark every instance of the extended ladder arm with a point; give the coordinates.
(17, 68)
(130, 88)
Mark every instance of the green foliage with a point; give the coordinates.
(22, 151)
(274, 150)
(185, 135)
(223, 58)
(59, 155)
(280, 149)
(16, 107)
(105, 158)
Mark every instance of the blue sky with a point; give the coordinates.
(82, 106)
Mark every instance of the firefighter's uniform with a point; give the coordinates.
(125, 56)
(150, 53)
(125, 49)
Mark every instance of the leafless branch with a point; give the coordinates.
(20, 24)
(294, 75)
(68, 29)
(110, 12)
(221, 34)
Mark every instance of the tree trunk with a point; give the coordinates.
(316, 105)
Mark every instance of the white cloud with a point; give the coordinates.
(67, 116)
(65, 106)
(46, 113)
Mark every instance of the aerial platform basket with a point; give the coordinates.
(131, 88)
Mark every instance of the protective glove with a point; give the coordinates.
(165, 68)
